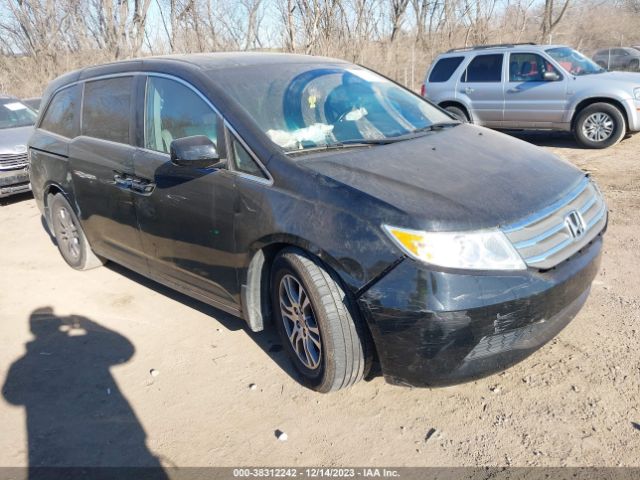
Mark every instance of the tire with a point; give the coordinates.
(599, 125)
(457, 112)
(70, 239)
(331, 346)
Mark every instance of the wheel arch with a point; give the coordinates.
(591, 100)
(254, 291)
(457, 103)
(49, 190)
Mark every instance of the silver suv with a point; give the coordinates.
(529, 86)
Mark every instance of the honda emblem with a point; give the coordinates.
(575, 224)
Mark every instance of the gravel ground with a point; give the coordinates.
(124, 371)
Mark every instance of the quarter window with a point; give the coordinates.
(174, 111)
(443, 70)
(61, 115)
(528, 67)
(244, 162)
(106, 109)
(484, 68)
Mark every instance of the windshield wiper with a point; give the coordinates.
(354, 143)
(365, 142)
(436, 126)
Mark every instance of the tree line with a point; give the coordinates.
(40, 39)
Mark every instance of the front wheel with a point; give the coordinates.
(318, 325)
(71, 240)
(458, 112)
(599, 125)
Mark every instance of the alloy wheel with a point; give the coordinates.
(67, 234)
(300, 322)
(598, 127)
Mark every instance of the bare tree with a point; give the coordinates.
(398, 8)
(551, 21)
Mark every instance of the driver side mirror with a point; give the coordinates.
(197, 151)
(550, 76)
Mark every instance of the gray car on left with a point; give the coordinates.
(16, 126)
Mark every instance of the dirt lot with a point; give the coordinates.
(152, 376)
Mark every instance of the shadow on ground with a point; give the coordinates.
(19, 197)
(545, 138)
(76, 414)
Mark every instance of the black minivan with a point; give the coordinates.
(360, 219)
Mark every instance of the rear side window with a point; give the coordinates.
(175, 111)
(106, 109)
(444, 68)
(61, 116)
(484, 68)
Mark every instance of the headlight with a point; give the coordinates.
(479, 250)
(636, 93)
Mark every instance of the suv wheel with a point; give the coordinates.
(70, 238)
(457, 112)
(317, 323)
(599, 125)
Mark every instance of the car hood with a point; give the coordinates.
(14, 140)
(459, 178)
(602, 79)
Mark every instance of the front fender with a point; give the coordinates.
(617, 96)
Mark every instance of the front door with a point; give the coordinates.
(101, 161)
(185, 214)
(481, 87)
(530, 101)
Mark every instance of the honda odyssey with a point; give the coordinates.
(361, 220)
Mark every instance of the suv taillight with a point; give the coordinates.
(423, 90)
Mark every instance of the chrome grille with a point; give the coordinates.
(551, 236)
(11, 160)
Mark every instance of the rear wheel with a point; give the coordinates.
(71, 240)
(599, 125)
(457, 112)
(317, 322)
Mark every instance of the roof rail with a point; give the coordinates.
(484, 47)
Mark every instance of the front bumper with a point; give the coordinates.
(434, 328)
(14, 181)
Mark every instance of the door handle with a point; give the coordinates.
(514, 90)
(122, 181)
(469, 90)
(142, 185)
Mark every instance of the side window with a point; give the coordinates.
(484, 68)
(106, 109)
(443, 70)
(528, 67)
(61, 115)
(243, 162)
(174, 111)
